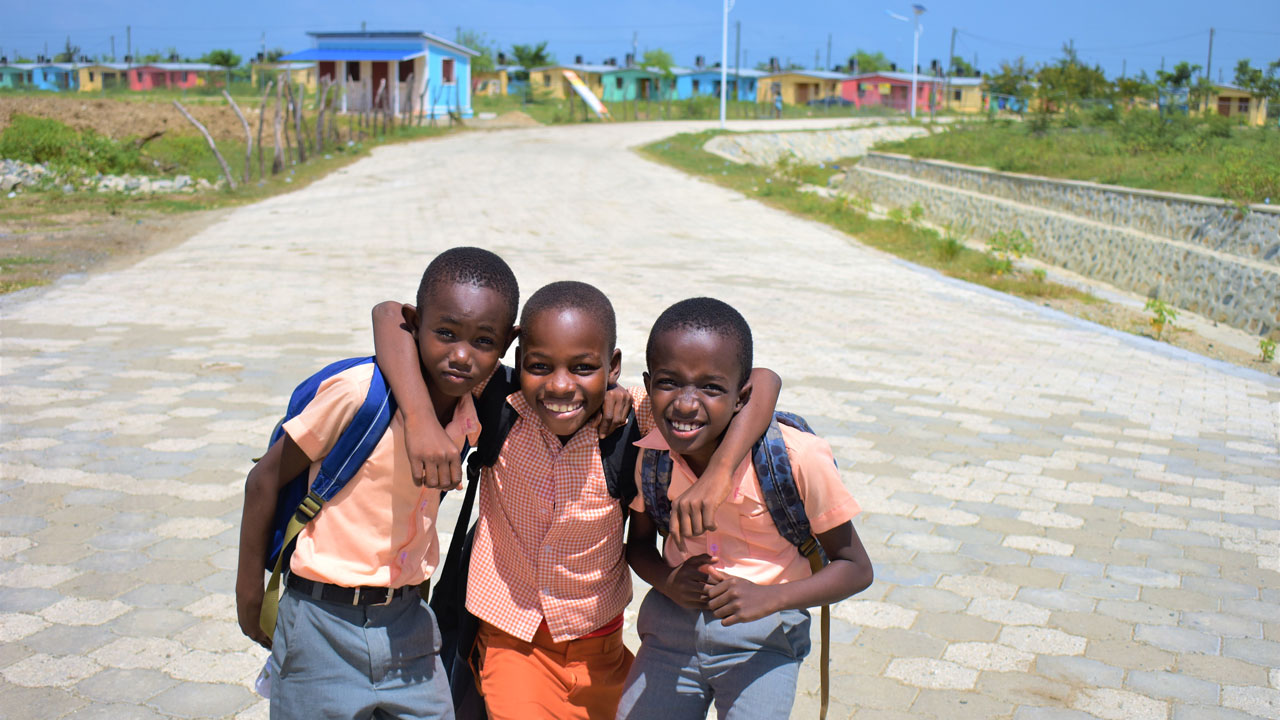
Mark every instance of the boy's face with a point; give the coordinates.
(463, 331)
(696, 387)
(566, 365)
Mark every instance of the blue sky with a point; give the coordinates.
(1132, 33)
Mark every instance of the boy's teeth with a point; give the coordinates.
(560, 407)
(684, 427)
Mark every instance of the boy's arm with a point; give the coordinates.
(694, 512)
(433, 457)
(735, 600)
(685, 585)
(283, 462)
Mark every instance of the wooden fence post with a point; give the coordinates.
(262, 114)
(248, 135)
(226, 171)
(295, 107)
(422, 99)
(322, 99)
(277, 160)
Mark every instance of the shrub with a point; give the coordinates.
(40, 140)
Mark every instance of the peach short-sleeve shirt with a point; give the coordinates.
(380, 529)
(746, 541)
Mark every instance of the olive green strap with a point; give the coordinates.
(307, 509)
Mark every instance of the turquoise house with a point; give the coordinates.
(638, 83)
(402, 70)
(39, 76)
(706, 81)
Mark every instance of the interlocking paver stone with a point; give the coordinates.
(1029, 464)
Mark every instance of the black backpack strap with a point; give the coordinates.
(496, 417)
(618, 454)
(655, 481)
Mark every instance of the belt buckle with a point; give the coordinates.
(355, 597)
(391, 595)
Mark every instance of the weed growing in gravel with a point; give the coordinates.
(1267, 349)
(1163, 316)
(1005, 247)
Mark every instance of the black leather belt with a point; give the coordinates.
(362, 595)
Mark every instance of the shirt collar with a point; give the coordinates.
(741, 488)
(522, 407)
(465, 425)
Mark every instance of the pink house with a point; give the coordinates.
(893, 89)
(179, 76)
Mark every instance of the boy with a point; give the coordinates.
(354, 638)
(726, 619)
(548, 576)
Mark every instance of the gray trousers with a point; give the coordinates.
(688, 659)
(343, 662)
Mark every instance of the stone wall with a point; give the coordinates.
(1202, 254)
(809, 147)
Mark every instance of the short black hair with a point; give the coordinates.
(471, 266)
(708, 315)
(567, 294)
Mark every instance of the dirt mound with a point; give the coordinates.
(120, 119)
(510, 119)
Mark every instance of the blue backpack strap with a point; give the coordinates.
(778, 486)
(655, 480)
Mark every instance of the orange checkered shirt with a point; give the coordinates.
(548, 543)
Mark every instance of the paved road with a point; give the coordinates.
(1066, 522)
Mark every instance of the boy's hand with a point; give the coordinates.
(735, 600)
(249, 613)
(433, 458)
(694, 511)
(687, 583)
(616, 409)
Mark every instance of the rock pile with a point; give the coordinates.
(17, 176)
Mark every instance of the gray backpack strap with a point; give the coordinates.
(655, 480)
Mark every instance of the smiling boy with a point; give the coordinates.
(726, 619)
(354, 638)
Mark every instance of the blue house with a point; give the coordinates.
(40, 76)
(697, 81)
(403, 70)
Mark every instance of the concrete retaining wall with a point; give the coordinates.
(1202, 254)
(809, 147)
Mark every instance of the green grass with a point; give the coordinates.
(904, 239)
(1139, 149)
(549, 111)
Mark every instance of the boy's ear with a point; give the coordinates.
(744, 394)
(615, 366)
(648, 382)
(411, 317)
(515, 333)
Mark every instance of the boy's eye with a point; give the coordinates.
(584, 369)
(713, 389)
(484, 341)
(666, 384)
(444, 333)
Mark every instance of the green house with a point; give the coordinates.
(637, 83)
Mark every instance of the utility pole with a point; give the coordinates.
(128, 44)
(113, 48)
(817, 56)
(737, 59)
(946, 82)
(724, 59)
(1124, 65)
(264, 46)
(635, 45)
(828, 51)
(1208, 68)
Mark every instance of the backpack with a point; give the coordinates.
(299, 500)
(778, 486)
(458, 627)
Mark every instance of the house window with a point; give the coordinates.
(1243, 105)
(404, 70)
(353, 70)
(695, 86)
(617, 83)
(956, 95)
(90, 76)
(446, 71)
(188, 77)
(862, 89)
(546, 79)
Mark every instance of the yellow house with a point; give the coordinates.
(964, 94)
(102, 76)
(799, 87)
(551, 79)
(490, 83)
(300, 73)
(1232, 101)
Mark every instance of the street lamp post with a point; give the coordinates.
(724, 59)
(917, 10)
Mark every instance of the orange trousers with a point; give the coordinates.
(573, 680)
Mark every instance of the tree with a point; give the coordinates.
(274, 55)
(1014, 80)
(1179, 77)
(532, 56)
(223, 58)
(961, 67)
(68, 54)
(1130, 89)
(862, 61)
(1069, 80)
(479, 42)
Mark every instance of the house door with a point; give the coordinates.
(644, 88)
(379, 77)
(802, 94)
(1224, 106)
(328, 69)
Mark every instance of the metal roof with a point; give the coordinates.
(920, 77)
(820, 74)
(418, 34)
(350, 55)
(577, 68)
